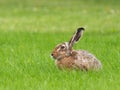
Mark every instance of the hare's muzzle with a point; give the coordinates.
(53, 55)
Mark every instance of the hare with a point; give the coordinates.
(67, 57)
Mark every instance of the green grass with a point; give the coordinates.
(30, 29)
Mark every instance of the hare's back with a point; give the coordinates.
(82, 54)
(87, 60)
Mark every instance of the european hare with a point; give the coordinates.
(66, 57)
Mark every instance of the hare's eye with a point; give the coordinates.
(62, 47)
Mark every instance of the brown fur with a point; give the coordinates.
(84, 61)
(67, 62)
(68, 58)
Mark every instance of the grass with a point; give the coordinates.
(29, 30)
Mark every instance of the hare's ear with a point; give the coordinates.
(76, 37)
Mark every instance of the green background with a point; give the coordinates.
(30, 29)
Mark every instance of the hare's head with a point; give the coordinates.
(65, 49)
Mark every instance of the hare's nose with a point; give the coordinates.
(52, 54)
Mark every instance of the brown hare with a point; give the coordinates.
(67, 58)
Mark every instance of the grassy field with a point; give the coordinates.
(30, 29)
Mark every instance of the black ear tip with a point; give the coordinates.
(81, 28)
